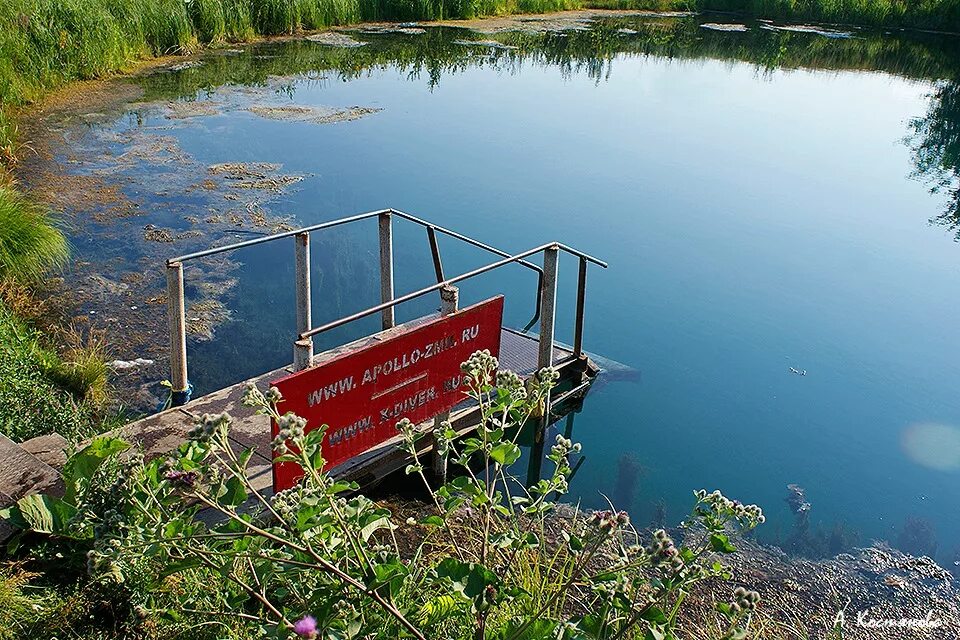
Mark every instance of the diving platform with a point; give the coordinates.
(363, 388)
(160, 433)
(410, 370)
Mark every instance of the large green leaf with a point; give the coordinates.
(468, 578)
(82, 465)
(721, 543)
(40, 513)
(506, 453)
(374, 524)
(234, 492)
(541, 629)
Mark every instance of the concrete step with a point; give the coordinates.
(22, 473)
(50, 449)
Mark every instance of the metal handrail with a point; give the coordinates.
(276, 236)
(422, 292)
(432, 230)
(303, 347)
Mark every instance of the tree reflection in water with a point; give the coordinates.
(934, 141)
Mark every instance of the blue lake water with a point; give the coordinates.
(755, 198)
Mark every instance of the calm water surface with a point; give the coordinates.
(763, 199)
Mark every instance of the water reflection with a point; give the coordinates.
(733, 275)
(934, 138)
(934, 141)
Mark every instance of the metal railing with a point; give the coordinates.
(545, 309)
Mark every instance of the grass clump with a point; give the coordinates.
(942, 15)
(32, 400)
(29, 242)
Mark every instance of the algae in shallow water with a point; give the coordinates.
(318, 115)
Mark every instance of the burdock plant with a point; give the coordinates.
(490, 559)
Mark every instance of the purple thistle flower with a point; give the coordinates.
(306, 627)
(183, 478)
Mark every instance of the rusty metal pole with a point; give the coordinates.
(449, 303)
(303, 349)
(386, 268)
(176, 317)
(548, 316)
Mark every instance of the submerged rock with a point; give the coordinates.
(191, 109)
(797, 499)
(409, 29)
(153, 233)
(253, 175)
(101, 285)
(204, 317)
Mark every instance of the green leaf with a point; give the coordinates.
(82, 465)
(341, 487)
(506, 453)
(721, 543)
(655, 615)
(654, 633)
(40, 513)
(234, 493)
(501, 540)
(576, 544)
(433, 521)
(437, 610)
(390, 573)
(540, 629)
(244, 457)
(382, 522)
(468, 578)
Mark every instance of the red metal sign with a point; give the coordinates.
(363, 389)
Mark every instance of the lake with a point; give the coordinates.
(781, 275)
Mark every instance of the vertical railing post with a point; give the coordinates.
(449, 302)
(386, 268)
(581, 296)
(176, 317)
(435, 251)
(548, 306)
(548, 315)
(303, 349)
